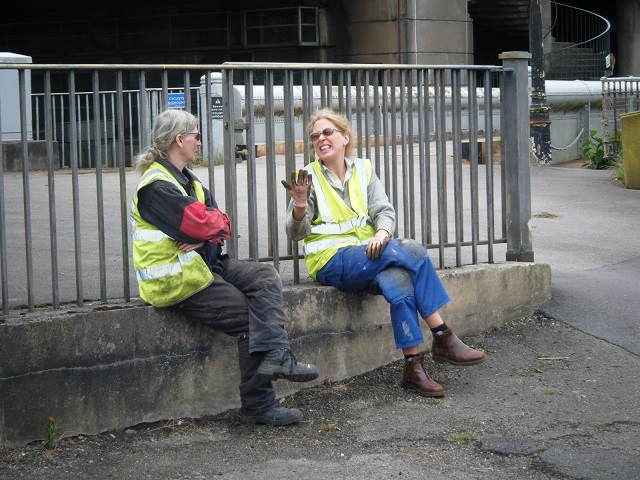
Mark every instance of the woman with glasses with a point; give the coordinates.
(178, 234)
(341, 212)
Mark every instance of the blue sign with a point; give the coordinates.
(176, 100)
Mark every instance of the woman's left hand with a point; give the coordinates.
(376, 245)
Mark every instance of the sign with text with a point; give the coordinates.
(216, 108)
(176, 100)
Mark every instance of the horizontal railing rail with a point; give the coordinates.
(64, 233)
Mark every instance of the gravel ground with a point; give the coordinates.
(536, 404)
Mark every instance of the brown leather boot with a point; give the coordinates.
(415, 377)
(449, 348)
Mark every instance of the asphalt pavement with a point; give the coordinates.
(588, 229)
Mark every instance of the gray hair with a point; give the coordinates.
(166, 127)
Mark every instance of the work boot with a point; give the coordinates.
(281, 363)
(415, 377)
(447, 347)
(276, 417)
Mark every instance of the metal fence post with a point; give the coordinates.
(514, 115)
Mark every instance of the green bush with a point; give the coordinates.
(593, 153)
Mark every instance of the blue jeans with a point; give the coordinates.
(403, 274)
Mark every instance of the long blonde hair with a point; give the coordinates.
(166, 127)
(339, 120)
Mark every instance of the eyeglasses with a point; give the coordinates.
(326, 132)
(197, 134)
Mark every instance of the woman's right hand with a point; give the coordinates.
(299, 188)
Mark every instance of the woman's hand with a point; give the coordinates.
(299, 188)
(376, 245)
(188, 247)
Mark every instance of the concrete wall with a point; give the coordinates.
(405, 31)
(106, 367)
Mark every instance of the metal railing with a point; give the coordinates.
(619, 95)
(582, 45)
(64, 229)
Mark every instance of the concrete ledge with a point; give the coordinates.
(111, 366)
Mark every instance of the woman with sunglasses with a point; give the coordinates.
(178, 234)
(341, 212)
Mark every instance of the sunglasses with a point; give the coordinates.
(197, 134)
(326, 132)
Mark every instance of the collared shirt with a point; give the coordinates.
(333, 179)
(381, 211)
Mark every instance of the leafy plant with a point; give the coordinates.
(50, 433)
(593, 153)
(599, 154)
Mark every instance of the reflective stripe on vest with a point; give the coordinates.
(160, 271)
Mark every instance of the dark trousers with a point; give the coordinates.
(244, 301)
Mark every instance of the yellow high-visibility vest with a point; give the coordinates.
(336, 225)
(166, 275)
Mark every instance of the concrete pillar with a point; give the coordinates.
(628, 49)
(404, 32)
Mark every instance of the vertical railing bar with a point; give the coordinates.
(28, 248)
(410, 144)
(207, 118)
(99, 184)
(341, 91)
(290, 160)
(187, 90)
(393, 181)
(385, 130)
(488, 128)
(503, 160)
(457, 163)
(323, 86)
(113, 131)
(473, 163)
(348, 110)
(272, 198)
(130, 123)
(143, 110)
(367, 121)
(4, 269)
(404, 153)
(441, 163)
(88, 130)
(121, 164)
(164, 104)
(427, 195)
(103, 125)
(307, 102)
(422, 157)
(254, 251)
(53, 234)
(73, 160)
(376, 120)
(231, 184)
(358, 112)
(330, 89)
